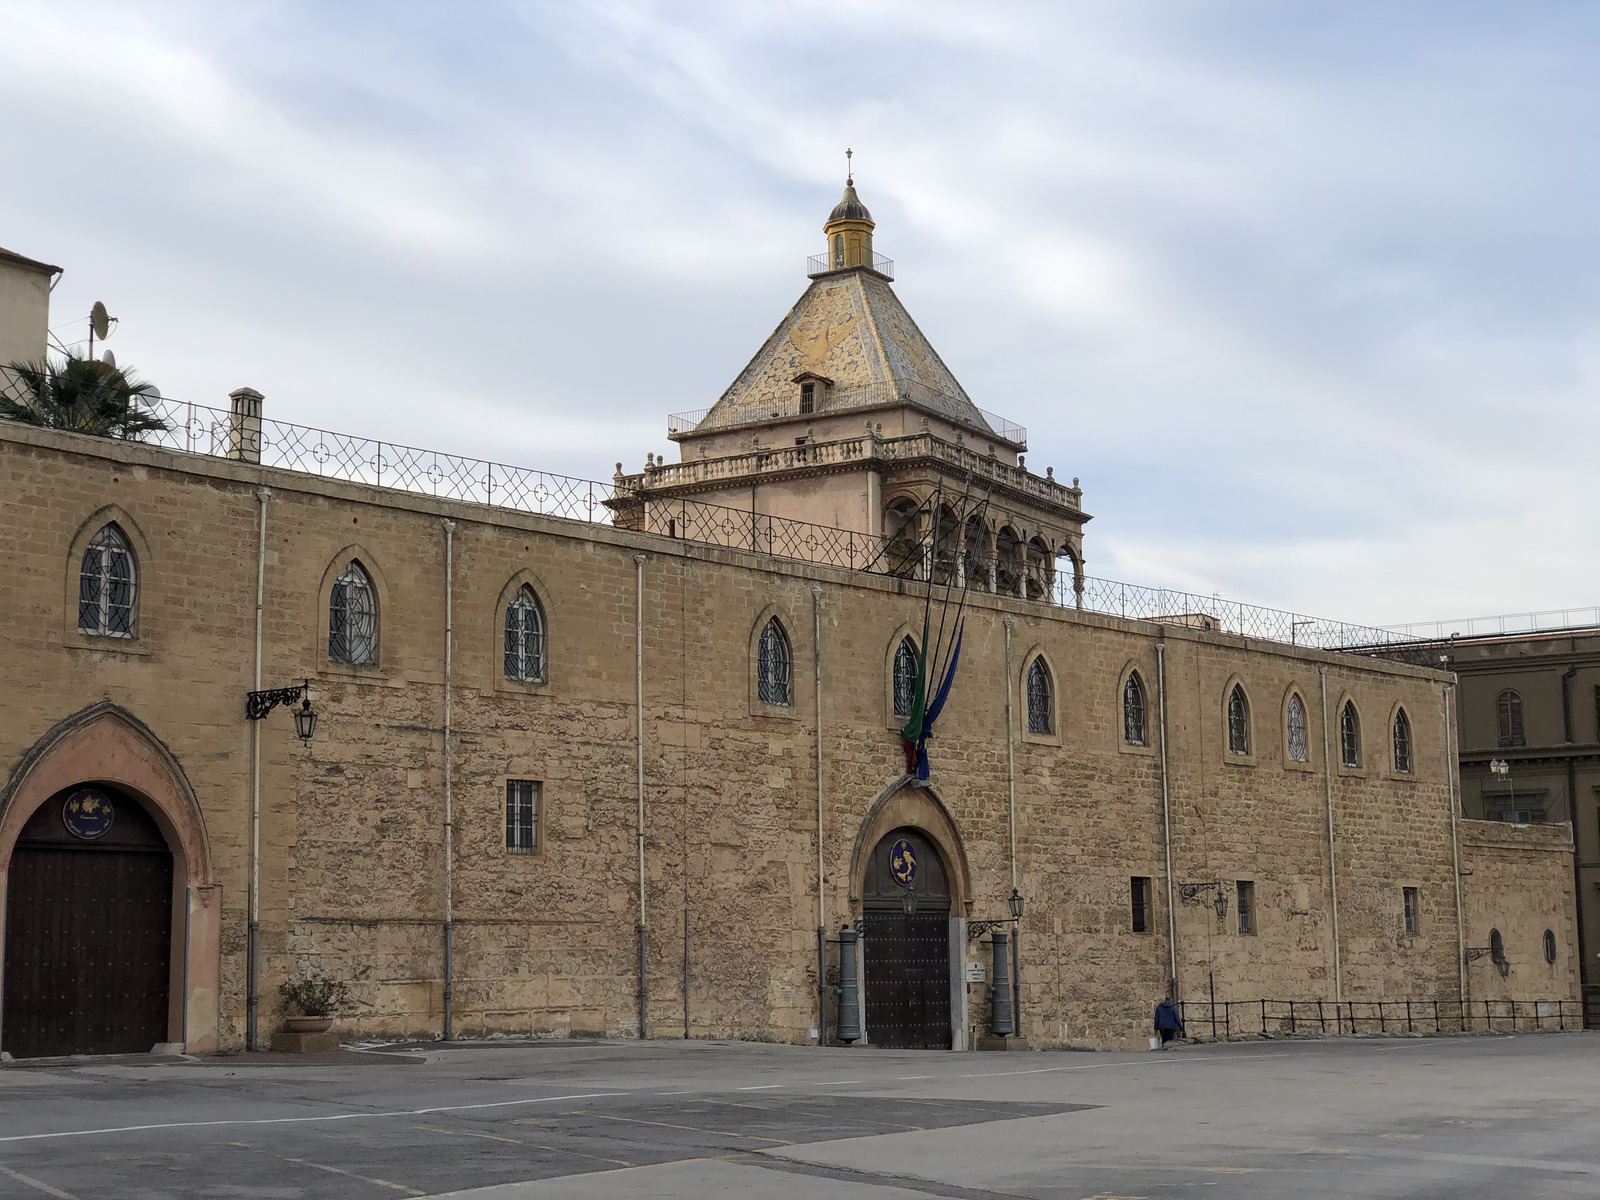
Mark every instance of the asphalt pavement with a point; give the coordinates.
(1463, 1117)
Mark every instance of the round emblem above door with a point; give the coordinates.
(88, 814)
(903, 863)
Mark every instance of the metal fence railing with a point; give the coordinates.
(1021, 574)
(1223, 1019)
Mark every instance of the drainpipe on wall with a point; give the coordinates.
(1452, 787)
(1333, 870)
(253, 1000)
(449, 811)
(638, 684)
(1572, 817)
(822, 921)
(1166, 824)
(1011, 801)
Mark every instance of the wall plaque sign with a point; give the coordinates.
(903, 863)
(88, 814)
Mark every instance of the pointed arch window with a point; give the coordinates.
(1296, 730)
(1402, 742)
(773, 663)
(107, 586)
(1509, 709)
(1238, 721)
(524, 659)
(838, 251)
(1349, 735)
(353, 618)
(1041, 698)
(1133, 710)
(905, 677)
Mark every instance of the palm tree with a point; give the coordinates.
(82, 395)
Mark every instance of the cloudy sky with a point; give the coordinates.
(1307, 295)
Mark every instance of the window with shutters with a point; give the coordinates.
(1508, 707)
(107, 586)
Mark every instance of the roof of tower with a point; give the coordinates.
(850, 207)
(850, 329)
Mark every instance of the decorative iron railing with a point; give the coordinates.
(197, 429)
(1510, 625)
(1223, 1019)
(817, 264)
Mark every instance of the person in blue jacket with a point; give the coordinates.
(1168, 1023)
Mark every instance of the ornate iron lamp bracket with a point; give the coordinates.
(258, 704)
(977, 929)
(1189, 893)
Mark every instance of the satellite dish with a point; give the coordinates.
(109, 359)
(100, 320)
(147, 394)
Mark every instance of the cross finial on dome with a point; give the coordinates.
(849, 175)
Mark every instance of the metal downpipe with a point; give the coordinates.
(638, 684)
(1166, 824)
(449, 811)
(253, 983)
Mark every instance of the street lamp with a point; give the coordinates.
(258, 704)
(908, 901)
(1016, 905)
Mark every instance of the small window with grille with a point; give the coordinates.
(522, 816)
(1238, 722)
(1140, 886)
(1133, 711)
(524, 649)
(808, 397)
(1244, 892)
(773, 662)
(353, 618)
(1297, 730)
(1409, 899)
(1041, 699)
(905, 678)
(107, 586)
(1402, 742)
(1349, 735)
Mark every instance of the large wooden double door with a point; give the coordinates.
(88, 929)
(906, 957)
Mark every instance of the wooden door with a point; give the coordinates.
(88, 934)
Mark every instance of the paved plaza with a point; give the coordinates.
(1501, 1116)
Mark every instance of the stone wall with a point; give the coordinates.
(352, 864)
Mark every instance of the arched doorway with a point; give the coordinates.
(88, 945)
(907, 956)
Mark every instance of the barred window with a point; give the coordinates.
(1408, 897)
(1238, 722)
(353, 618)
(1041, 702)
(1244, 892)
(1509, 709)
(905, 677)
(1349, 735)
(522, 816)
(1402, 741)
(1297, 730)
(107, 586)
(1140, 887)
(1133, 722)
(772, 665)
(525, 638)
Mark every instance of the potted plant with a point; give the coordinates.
(318, 997)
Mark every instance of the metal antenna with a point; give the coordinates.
(849, 175)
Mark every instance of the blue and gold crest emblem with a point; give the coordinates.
(87, 814)
(903, 863)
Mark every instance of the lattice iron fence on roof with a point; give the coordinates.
(197, 429)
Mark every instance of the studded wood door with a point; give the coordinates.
(906, 958)
(88, 934)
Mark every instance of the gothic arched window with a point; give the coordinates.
(905, 677)
(772, 665)
(1349, 735)
(1296, 729)
(1402, 741)
(353, 618)
(107, 586)
(1509, 709)
(1238, 721)
(525, 637)
(1133, 710)
(1041, 700)
(838, 250)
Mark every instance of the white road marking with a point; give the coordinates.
(356, 1116)
(761, 1087)
(834, 1082)
(685, 1092)
(37, 1183)
(399, 1187)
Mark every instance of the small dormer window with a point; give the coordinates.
(808, 397)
